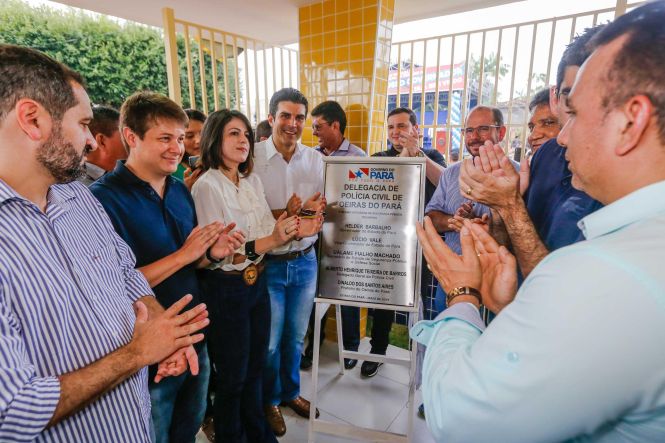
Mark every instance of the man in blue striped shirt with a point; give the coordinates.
(78, 324)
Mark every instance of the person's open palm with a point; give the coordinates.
(499, 269)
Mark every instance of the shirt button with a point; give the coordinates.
(513, 357)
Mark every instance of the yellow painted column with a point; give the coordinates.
(345, 56)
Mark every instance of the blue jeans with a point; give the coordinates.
(292, 286)
(179, 403)
(238, 338)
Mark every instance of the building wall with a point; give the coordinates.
(344, 56)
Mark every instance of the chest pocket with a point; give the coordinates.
(99, 273)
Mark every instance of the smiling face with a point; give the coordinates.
(398, 124)
(482, 121)
(543, 125)
(287, 124)
(70, 139)
(328, 133)
(235, 143)
(161, 148)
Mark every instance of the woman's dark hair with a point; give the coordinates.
(212, 137)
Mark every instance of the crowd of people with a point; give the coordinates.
(159, 265)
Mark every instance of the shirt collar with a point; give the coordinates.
(126, 176)
(271, 150)
(122, 172)
(638, 205)
(343, 147)
(7, 193)
(56, 195)
(93, 171)
(392, 152)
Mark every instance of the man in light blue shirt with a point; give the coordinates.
(328, 124)
(577, 354)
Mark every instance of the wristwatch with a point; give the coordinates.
(249, 250)
(463, 290)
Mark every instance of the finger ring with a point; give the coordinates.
(469, 191)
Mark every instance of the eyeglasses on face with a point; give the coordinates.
(318, 127)
(481, 130)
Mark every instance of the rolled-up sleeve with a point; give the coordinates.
(553, 365)
(438, 200)
(27, 402)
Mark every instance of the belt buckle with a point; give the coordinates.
(250, 274)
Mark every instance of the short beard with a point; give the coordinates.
(60, 158)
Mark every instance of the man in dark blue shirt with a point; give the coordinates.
(546, 217)
(154, 213)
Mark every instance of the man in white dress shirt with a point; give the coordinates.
(290, 172)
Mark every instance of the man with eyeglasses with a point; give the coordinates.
(546, 217)
(449, 205)
(328, 124)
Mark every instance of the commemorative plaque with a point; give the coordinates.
(369, 248)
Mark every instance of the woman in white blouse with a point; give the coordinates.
(234, 288)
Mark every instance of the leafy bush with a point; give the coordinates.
(115, 60)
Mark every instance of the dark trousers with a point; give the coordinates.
(382, 321)
(350, 329)
(238, 337)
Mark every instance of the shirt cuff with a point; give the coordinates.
(423, 331)
(31, 410)
(137, 286)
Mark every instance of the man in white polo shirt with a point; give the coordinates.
(290, 172)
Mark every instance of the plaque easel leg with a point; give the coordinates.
(320, 307)
(340, 338)
(413, 317)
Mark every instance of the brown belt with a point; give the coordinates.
(289, 255)
(250, 274)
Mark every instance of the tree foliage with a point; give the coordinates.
(115, 60)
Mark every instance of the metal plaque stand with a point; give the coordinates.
(341, 429)
(346, 179)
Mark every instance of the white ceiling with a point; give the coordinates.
(275, 21)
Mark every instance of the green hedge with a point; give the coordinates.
(115, 60)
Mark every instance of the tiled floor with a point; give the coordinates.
(378, 403)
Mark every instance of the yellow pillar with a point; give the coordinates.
(345, 56)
